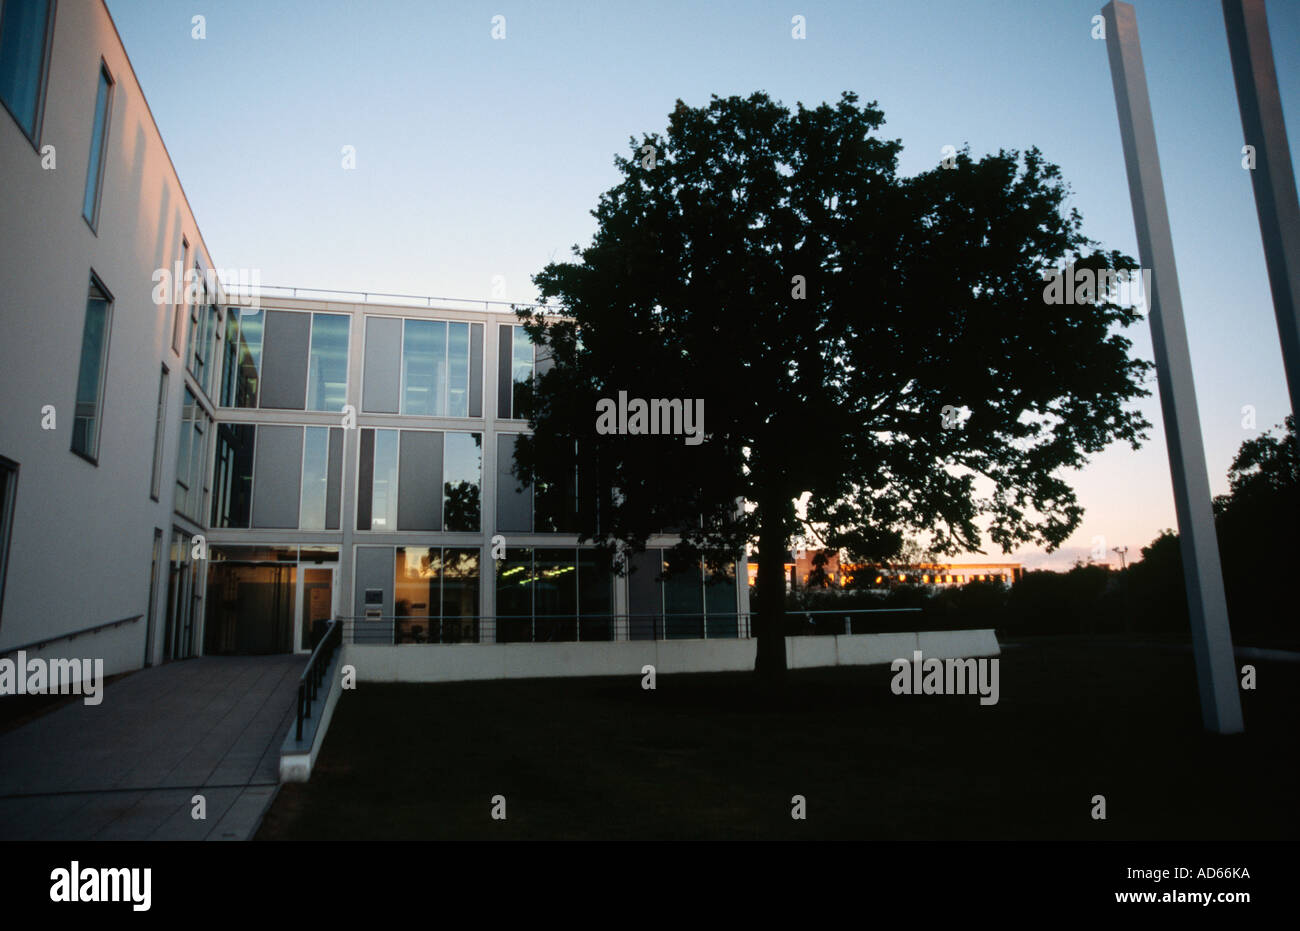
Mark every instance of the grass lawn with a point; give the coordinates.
(716, 756)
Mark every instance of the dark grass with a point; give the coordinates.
(718, 756)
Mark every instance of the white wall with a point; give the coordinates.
(455, 663)
(82, 533)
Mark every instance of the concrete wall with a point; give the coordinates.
(83, 533)
(462, 662)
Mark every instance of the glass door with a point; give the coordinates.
(315, 605)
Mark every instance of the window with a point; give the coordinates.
(559, 594)
(424, 367)
(243, 354)
(91, 373)
(436, 592)
(8, 495)
(232, 483)
(691, 602)
(25, 32)
(98, 145)
(205, 332)
(514, 371)
(327, 364)
(315, 480)
(191, 459)
(423, 480)
(159, 427)
(461, 479)
(178, 318)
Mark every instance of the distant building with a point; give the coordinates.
(800, 563)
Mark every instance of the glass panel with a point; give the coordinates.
(460, 595)
(595, 595)
(327, 368)
(250, 356)
(521, 369)
(230, 359)
(384, 506)
(416, 593)
(515, 596)
(720, 602)
(317, 605)
(232, 484)
(90, 205)
(457, 369)
(683, 603)
(462, 476)
(94, 342)
(22, 48)
(555, 595)
(315, 478)
(424, 367)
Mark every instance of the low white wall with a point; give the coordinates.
(297, 760)
(461, 662)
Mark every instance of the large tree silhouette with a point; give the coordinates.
(873, 342)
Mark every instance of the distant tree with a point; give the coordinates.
(878, 342)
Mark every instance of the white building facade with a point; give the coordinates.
(190, 474)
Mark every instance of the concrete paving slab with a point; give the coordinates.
(127, 768)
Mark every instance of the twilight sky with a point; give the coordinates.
(478, 157)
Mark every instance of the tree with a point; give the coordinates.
(831, 316)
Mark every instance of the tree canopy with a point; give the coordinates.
(876, 345)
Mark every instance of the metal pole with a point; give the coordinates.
(1274, 182)
(1206, 605)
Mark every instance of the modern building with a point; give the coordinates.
(187, 471)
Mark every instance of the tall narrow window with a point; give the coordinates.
(514, 371)
(243, 357)
(178, 318)
(90, 375)
(315, 479)
(8, 495)
(457, 369)
(462, 476)
(327, 364)
(25, 28)
(159, 427)
(98, 145)
(424, 368)
(384, 509)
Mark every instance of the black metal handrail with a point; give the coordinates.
(37, 644)
(309, 682)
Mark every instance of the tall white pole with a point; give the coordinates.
(1206, 605)
(1274, 181)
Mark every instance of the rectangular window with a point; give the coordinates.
(243, 357)
(424, 367)
(436, 595)
(159, 428)
(178, 315)
(521, 373)
(327, 366)
(8, 497)
(25, 32)
(191, 459)
(315, 478)
(384, 507)
(98, 146)
(461, 480)
(232, 485)
(457, 369)
(153, 597)
(91, 372)
(515, 596)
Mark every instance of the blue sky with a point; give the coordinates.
(478, 157)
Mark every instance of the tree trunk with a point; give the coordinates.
(769, 625)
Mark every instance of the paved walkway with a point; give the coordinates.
(128, 768)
